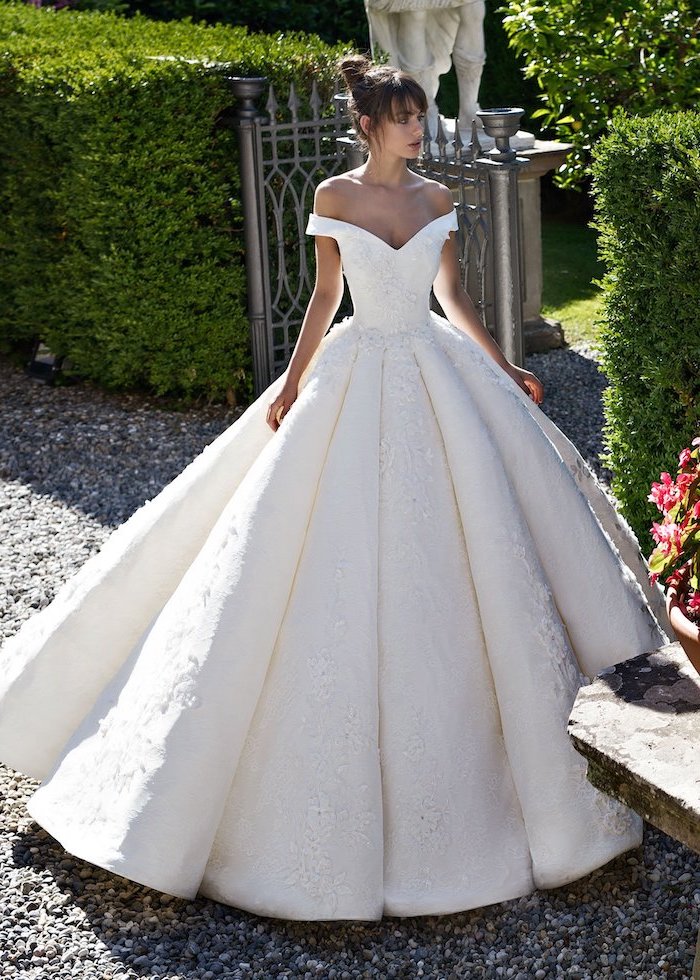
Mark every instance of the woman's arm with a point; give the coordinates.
(460, 311)
(323, 305)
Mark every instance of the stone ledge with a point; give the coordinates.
(542, 334)
(545, 155)
(638, 725)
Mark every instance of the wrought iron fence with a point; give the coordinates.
(282, 162)
(469, 184)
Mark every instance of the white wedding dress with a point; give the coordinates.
(326, 672)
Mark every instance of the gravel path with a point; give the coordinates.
(75, 462)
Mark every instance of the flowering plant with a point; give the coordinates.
(676, 557)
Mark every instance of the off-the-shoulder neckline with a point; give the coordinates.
(440, 217)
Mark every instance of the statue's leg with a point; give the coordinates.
(417, 59)
(413, 44)
(469, 55)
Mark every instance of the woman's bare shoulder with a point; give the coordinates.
(333, 195)
(439, 196)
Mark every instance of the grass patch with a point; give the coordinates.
(569, 265)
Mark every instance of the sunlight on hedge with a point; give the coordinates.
(122, 243)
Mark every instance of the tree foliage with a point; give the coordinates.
(589, 57)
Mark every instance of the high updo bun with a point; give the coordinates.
(353, 68)
(379, 91)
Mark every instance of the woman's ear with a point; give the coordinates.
(365, 124)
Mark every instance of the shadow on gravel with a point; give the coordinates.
(101, 453)
(574, 388)
(563, 931)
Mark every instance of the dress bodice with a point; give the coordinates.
(395, 281)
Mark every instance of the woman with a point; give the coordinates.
(326, 672)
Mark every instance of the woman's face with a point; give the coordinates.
(400, 136)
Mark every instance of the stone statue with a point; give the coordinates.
(422, 37)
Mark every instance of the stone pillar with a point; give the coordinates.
(502, 166)
(540, 333)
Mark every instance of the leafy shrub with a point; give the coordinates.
(647, 192)
(122, 245)
(589, 57)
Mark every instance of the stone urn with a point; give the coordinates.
(687, 632)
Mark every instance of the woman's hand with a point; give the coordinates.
(459, 310)
(278, 408)
(529, 382)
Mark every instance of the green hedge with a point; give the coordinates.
(121, 241)
(647, 194)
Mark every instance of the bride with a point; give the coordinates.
(326, 672)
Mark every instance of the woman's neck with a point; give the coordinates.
(386, 170)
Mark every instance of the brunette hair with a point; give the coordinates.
(378, 91)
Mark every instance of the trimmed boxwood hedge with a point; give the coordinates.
(647, 195)
(121, 241)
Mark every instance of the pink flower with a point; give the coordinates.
(653, 577)
(683, 481)
(667, 536)
(693, 602)
(657, 496)
(677, 536)
(665, 494)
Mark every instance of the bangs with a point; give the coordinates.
(405, 96)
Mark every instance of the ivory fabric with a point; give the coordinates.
(326, 672)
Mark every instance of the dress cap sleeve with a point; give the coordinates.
(318, 225)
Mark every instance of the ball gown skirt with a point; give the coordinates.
(326, 672)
